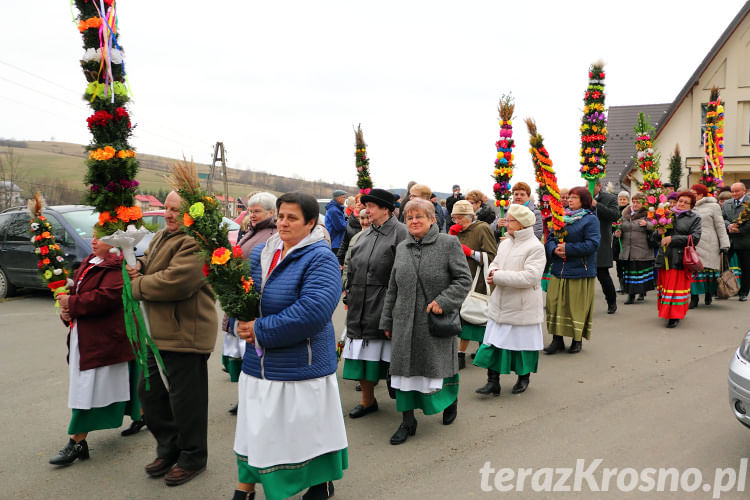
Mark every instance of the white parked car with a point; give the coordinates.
(739, 382)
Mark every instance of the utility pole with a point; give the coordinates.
(219, 157)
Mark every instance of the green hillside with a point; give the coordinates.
(57, 170)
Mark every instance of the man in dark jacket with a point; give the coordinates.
(449, 201)
(439, 214)
(739, 235)
(335, 219)
(606, 209)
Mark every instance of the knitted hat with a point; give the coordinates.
(338, 192)
(522, 214)
(462, 207)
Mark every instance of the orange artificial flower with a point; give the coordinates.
(247, 283)
(45, 262)
(220, 256)
(126, 153)
(46, 235)
(135, 213)
(123, 213)
(187, 221)
(92, 22)
(103, 218)
(105, 153)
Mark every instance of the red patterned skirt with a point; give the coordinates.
(674, 293)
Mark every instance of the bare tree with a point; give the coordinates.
(11, 178)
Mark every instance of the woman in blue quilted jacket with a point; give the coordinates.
(290, 431)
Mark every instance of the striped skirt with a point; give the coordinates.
(638, 276)
(704, 282)
(674, 293)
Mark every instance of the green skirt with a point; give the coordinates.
(504, 361)
(570, 307)
(110, 416)
(286, 480)
(704, 282)
(472, 332)
(358, 369)
(432, 403)
(233, 367)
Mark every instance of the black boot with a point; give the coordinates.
(450, 413)
(319, 491)
(672, 323)
(631, 299)
(492, 386)
(72, 450)
(407, 428)
(575, 346)
(243, 495)
(522, 384)
(557, 344)
(612, 308)
(693, 301)
(461, 360)
(135, 426)
(709, 298)
(234, 409)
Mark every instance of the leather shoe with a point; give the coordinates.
(320, 491)
(522, 384)
(631, 299)
(135, 426)
(360, 411)
(450, 413)
(672, 323)
(575, 346)
(612, 308)
(234, 409)
(403, 432)
(72, 450)
(177, 475)
(557, 344)
(160, 466)
(743, 298)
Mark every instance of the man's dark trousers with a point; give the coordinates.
(178, 418)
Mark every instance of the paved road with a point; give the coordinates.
(638, 396)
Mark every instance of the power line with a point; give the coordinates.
(39, 77)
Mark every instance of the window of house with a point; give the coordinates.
(704, 108)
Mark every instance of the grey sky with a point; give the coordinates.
(282, 83)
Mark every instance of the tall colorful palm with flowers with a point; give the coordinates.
(549, 193)
(50, 258)
(362, 162)
(112, 165)
(713, 143)
(594, 128)
(659, 214)
(504, 162)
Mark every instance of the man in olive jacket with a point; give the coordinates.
(183, 323)
(739, 235)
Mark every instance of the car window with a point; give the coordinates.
(19, 228)
(4, 220)
(82, 222)
(58, 231)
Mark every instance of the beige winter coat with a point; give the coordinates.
(180, 304)
(713, 232)
(519, 265)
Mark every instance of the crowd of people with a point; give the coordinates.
(421, 279)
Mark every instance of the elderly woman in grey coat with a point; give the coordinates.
(636, 253)
(713, 244)
(430, 274)
(367, 350)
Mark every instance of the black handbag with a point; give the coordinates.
(443, 325)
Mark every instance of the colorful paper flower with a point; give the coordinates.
(197, 210)
(220, 256)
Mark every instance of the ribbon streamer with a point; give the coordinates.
(135, 327)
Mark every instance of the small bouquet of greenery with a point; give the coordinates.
(225, 268)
